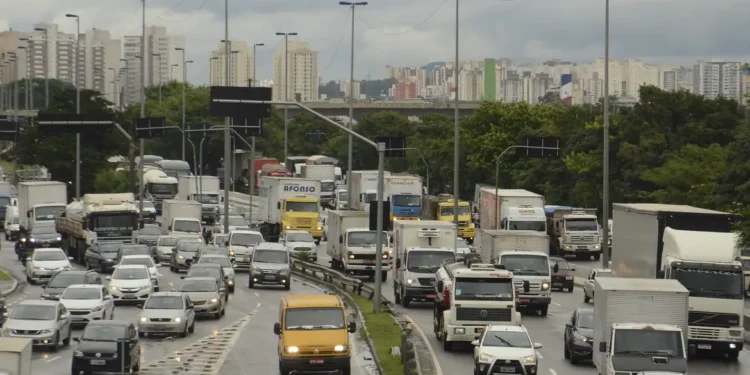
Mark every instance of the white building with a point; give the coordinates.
(302, 73)
(715, 79)
(241, 64)
(344, 86)
(161, 54)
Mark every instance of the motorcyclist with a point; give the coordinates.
(21, 243)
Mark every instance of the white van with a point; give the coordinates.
(11, 223)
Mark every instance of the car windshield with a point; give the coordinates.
(534, 225)
(45, 256)
(4, 201)
(585, 319)
(491, 289)
(189, 226)
(150, 231)
(207, 198)
(246, 239)
(64, 279)
(130, 274)
(222, 261)
(198, 286)
(362, 239)
(82, 293)
(301, 207)
(580, 225)
(314, 318)
(48, 212)
(299, 237)
(147, 205)
(104, 333)
(407, 201)
(136, 250)
(343, 196)
(204, 272)
(164, 302)
(107, 248)
(33, 312)
(236, 221)
(507, 339)
(189, 246)
(167, 241)
(526, 264)
(270, 256)
(43, 229)
(428, 261)
(562, 265)
(641, 341)
(148, 262)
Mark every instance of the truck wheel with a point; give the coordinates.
(396, 296)
(733, 355)
(543, 310)
(447, 345)
(383, 276)
(597, 256)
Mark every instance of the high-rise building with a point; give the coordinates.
(240, 64)
(490, 89)
(344, 87)
(405, 90)
(670, 81)
(161, 54)
(717, 79)
(302, 73)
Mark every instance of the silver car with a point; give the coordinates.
(205, 294)
(167, 312)
(225, 264)
(270, 265)
(164, 247)
(46, 323)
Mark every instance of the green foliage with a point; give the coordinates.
(110, 181)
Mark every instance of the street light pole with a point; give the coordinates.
(143, 112)
(158, 59)
(78, 102)
(184, 82)
(252, 139)
(286, 95)
(46, 66)
(227, 123)
(456, 190)
(605, 162)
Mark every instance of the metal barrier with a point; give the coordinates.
(335, 278)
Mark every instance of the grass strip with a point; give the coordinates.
(5, 276)
(384, 332)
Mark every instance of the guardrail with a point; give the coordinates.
(336, 279)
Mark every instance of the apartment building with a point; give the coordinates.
(717, 79)
(240, 64)
(161, 54)
(302, 73)
(344, 86)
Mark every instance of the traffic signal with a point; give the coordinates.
(150, 127)
(387, 223)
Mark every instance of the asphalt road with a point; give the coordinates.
(254, 348)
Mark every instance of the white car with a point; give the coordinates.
(164, 247)
(143, 260)
(46, 262)
(588, 284)
(299, 242)
(505, 349)
(88, 302)
(462, 249)
(130, 284)
(241, 244)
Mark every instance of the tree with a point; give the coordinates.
(110, 181)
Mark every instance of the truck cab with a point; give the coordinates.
(290, 204)
(159, 187)
(524, 218)
(574, 232)
(645, 349)
(405, 195)
(531, 272)
(745, 259)
(441, 208)
(340, 199)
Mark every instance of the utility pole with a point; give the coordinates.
(605, 162)
(184, 94)
(227, 122)
(456, 138)
(78, 102)
(142, 145)
(158, 59)
(286, 95)
(46, 65)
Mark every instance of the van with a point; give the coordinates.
(313, 334)
(11, 224)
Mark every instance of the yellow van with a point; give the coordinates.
(313, 334)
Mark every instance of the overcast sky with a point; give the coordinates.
(415, 32)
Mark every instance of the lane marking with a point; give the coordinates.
(438, 369)
(52, 359)
(539, 354)
(256, 294)
(171, 284)
(553, 372)
(556, 304)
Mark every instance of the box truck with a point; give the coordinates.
(364, 188)
(204, 190)
(182, 218)
(15, 355)
(326, 174)
(351, 244)
(41, 201)
(289, 204)
(405, 195)
(511, 209)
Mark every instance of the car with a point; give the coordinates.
(579, 335)
(236, 222)
(219, 239)
(210, 270)
(241, 244)
(146, 261)
(300, 244)
(462, 249)
(164, 247)
(99, 345)
(102, 256)
(505, 349)
(63, 279)
(183, 253)
(44, 263)
(270, 265)
(133, 249)
(130, 284)
(149, 210)
(45, 323)
(202, 250)
(205, 294)
(148, 235)
(88, 302)
(562, 274)
(215, 250)
(3, 312)
(588, 284)
(42, 236)
(225, 264)
(167, 312)
(12, 224)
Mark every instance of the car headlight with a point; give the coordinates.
(409, 281)
(545, 285)
(77, 353)
(51, 330)
(285, 271)
(459, 331)
(568, 277)
(99, 308)
(340, 348)
(486, 358)
(33, 240)
(231, 252)
(579, 337)
(145, 287)
(214, 300)
(144, 319)
(291, 349)
(45, 295)
(177, 320)
(351, 256)
(23, 240)
(288, 227)
(256, 268)
(180, 257)
(230, 282)
(320, 228)
(528, 360)
(58, 238)
(113, 288)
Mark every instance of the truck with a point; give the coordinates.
(325, 173)
(696, 247)
(98, 218)
(204, 190)
(364, 188)
(6, 194)
(15, 355)
(351, 244)
(420, 247)
(441, 208)
(182, 218)
(258, 165)
(405, 195)
(159, 187)
(289, 203)
(468, 297)
(639, 326)
(41, 201)
(523, 252)
(271, 170)
(511, 209)
(174, 168)
(573, 232)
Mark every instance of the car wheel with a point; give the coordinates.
(586, 298)
(184, 332)
(192, 327)
(66, 342)
(56, 345)
(566, 353)
(137, 366)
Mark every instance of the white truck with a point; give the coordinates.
(159, 187)
(204, 190)
(182, 218)
(326, 174)
(289, 203)
(41, 201)
(468, 297)
(15, 356)
(695, 246)
(405, 194)
(364, 188)
(523, 252)
(97, 218)
(351, 244)
(639, 326)
(573, 232)
(511, 209)
(420, 248)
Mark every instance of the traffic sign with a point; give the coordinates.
(150, 127)
(228, 101)
(542, 147)
(65, 123)
(395, 147)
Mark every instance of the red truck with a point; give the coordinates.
(269, 167)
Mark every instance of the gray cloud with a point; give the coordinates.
(415, 32)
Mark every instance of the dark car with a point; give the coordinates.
(63, 279)
(133, 249)
(562, 274)
(579, 335)
(102, 256)
(209, 270)
(43, 236)
(100, 348)
(183, 254)
(148, 235)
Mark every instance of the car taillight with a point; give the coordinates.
(446, 299)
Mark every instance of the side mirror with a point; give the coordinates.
(277, 328)
(341, 239)
(556, 268)
(226, 243)
(278, 205)
(169, 227)
(77, 339)
(568, 325)
(352, 327)
(140, 305)
(475, 343)
(440, 286)
(660, 274)
(602, 347)
(64, 316)
(107, 277)
(572, 270)
(537, 345)
(107, 297)
(182, 277)
(526, 286)
(190, 307)
(398, 263)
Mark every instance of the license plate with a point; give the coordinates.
(317, 361)
(369, 262)
(45, 245)
(269, 277)
(98, 362)
(479, 330)
(129, 296)
(556, 284)
(508, 370)
(523, 300)
(582, 248)
(704, 346)
(429, 296)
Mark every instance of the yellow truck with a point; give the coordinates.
(289, 203)
(441, 208)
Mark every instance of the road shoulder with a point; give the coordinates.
(8, 283)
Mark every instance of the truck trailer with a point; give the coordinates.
(351, 244)
(364, 188)
(15, 356)
(289, 204)
(326, 174)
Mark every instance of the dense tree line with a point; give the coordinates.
(671, 147)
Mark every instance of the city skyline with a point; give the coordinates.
(394, 33)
